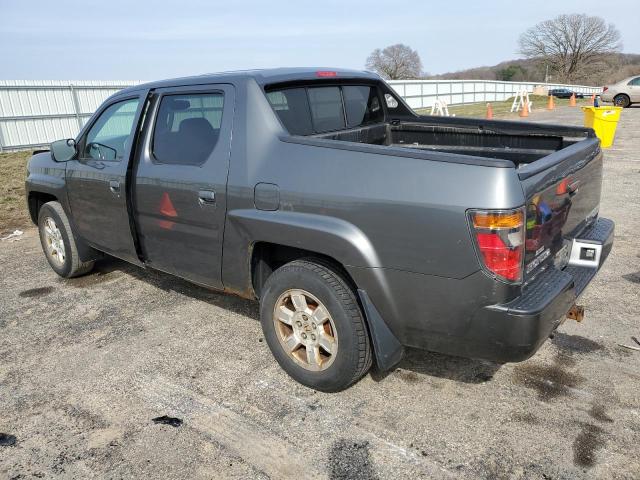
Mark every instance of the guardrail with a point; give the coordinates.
(423, 93)
(35, 113)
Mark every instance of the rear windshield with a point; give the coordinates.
(309, 110)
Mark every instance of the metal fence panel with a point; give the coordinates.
(470, 91)
(36, 112)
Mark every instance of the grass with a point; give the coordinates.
(13, 206)
(503, 109)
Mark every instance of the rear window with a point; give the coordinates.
(292, 106)
(362, 105)
(309, 110)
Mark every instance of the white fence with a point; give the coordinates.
(35, 113)
(423, 93)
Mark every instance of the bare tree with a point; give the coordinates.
(396, 62)
(572, 45)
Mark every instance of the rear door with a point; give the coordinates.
(180, 181)
(96, 180)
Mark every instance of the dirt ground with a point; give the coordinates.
(86, 364)
(13, 212)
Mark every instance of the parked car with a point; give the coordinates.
(564, 93)
(360, 226)
(623, 93)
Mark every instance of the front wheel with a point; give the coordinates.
(58, 243)
(621, 101)
(314, 326)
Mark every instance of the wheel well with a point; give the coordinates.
(268, 257)
(36, 200)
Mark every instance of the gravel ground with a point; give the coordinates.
(87, 364)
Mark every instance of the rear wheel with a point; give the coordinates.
(314, 326)
(621, 101)
(58, 243)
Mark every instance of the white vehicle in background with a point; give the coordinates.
(623, 93)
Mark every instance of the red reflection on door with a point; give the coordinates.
(167, 209)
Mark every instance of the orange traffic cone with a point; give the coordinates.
(489, 111)
(525, 109)
(572, 100)
(550, 104)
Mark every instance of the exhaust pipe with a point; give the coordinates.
(576, 312)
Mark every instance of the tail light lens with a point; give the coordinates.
(499, 238)
(604, 89)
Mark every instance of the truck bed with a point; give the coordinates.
(517, 142)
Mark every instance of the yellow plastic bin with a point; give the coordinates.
(604, 121)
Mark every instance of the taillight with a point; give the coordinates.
(604, 89)
(499, 237)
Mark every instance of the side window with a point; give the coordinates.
(109, 136)
(187, 128)
(635, 82)
(326, 108)
(362, 105)
(391, 102)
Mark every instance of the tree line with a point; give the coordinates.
(573, 48)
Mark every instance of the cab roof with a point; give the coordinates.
(262, 77)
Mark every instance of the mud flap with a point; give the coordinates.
(386, 347)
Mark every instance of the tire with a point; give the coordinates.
(58, 242)
(321, 286)
(621, 101)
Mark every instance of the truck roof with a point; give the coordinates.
(261, 76)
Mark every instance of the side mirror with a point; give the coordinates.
(63, 150)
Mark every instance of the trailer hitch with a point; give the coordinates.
(576, 312)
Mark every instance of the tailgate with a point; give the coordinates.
(563, 197)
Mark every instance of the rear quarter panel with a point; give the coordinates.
(407, 213)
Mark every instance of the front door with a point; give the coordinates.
(181, 179)
(96, 180)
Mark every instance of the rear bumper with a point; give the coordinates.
(514, 331)
(467, 317)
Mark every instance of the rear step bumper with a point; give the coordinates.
(514, 331)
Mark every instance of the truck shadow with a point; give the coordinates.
(417, 363)
(169, 283)
(414, 366)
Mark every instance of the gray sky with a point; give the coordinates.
(146, 40)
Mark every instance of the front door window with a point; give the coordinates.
(109, 137)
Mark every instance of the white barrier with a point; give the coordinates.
(423, 93)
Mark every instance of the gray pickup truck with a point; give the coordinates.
(359, 225)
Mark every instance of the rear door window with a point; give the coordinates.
(187, 128)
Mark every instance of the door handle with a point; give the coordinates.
(206, 197)
(114, 186)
